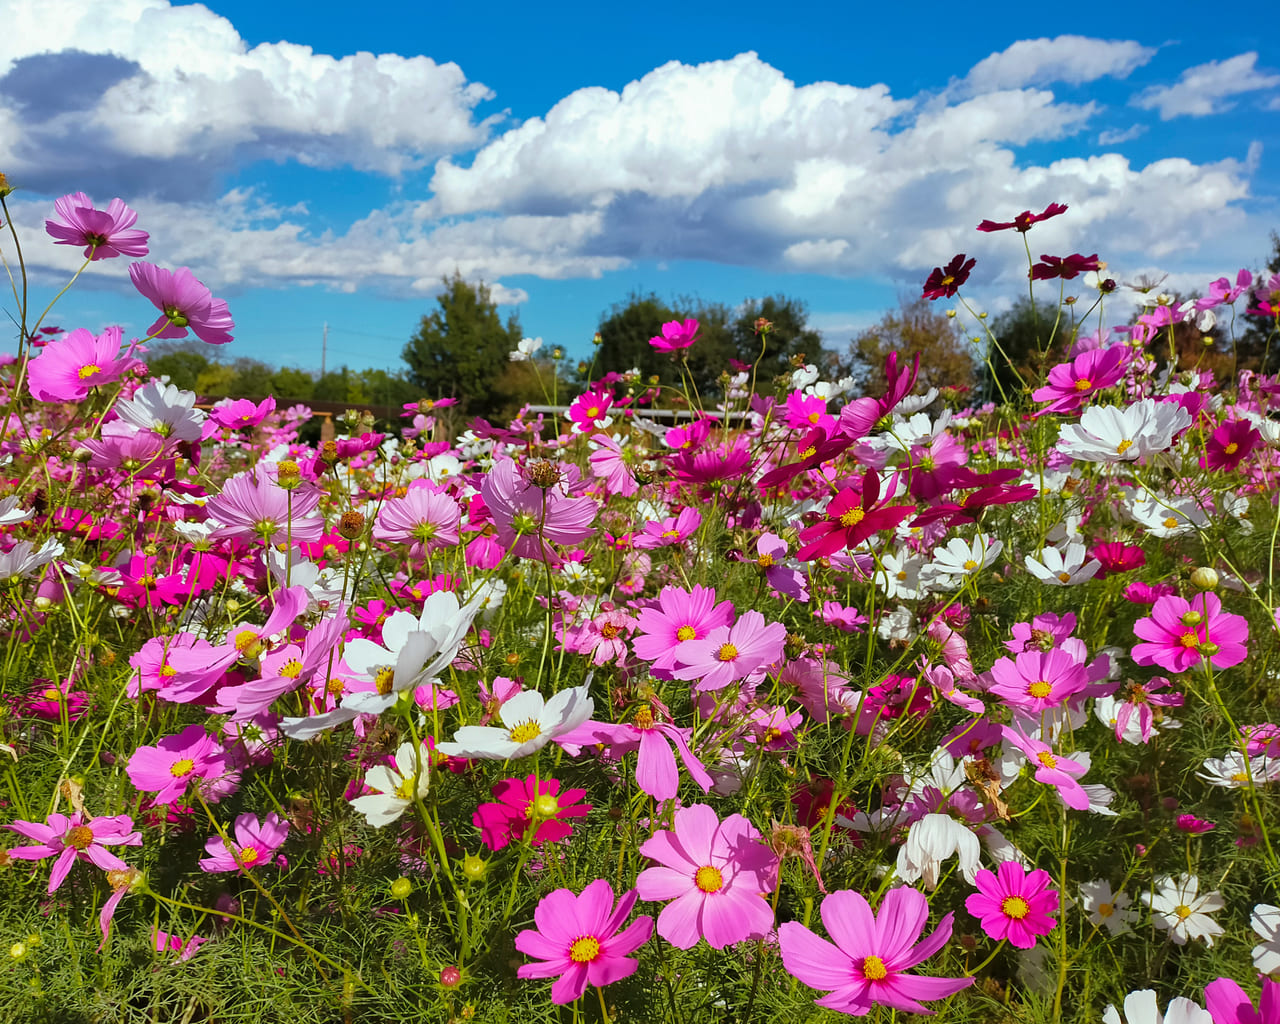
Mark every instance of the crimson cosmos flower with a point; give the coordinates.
(851, 519)
(1065, 267)
(946, 281)
(1024, 220)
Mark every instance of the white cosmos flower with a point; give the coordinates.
(395, 789)
(166, 409)
(933, 839)
(1141, 1008)
(1105, 907)
(1178, 908)
(529, 723)
(1265, 921)
(899, 576)
(961, 558)
(10, 513)
(525, 348)
(1234, 772)
(1063, 568)
(1166, 516)
(1107, 433)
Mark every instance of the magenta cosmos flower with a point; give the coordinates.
(1071, 384)
(1035, 681)
(528, 516)
(1180, 633)
(653, 739)
(866, 966)
(729, 653)
(521, 803)
(1228, 1003)
(169, 767)
(71, 838)
(67, 369)
(578, 940)
(1014, 905)
(715, 874)
(851, 517)
(676, 334)
(254, 844)
(184, 303)
(1023, 221)
(103, 233)
(1052, 769)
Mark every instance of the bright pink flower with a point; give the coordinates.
(612, 463)
(587, 410)
(680, 617)
(1192, 825)
(425, 517)
(1052, 769)
(172, 764)
(848, 619)
(1179, 634)
(240, 413)
(1228, 1003)
(1221, 291)
(851, 517)
(676, 335)
(1071, 384)
(715, 874)
(1117, 557)
(184, 302)
(1035, 681)
(1229, 444)
(604, 638)
(253, 506)
(67, 369)
(1138, 699)
(867, 964)
(805, 412)
(579, 941)
(71, 838)
(1139, 592)
(672, 530)
(653, 739)
(1024, 220)
(103, 233)
(732, 652)
(729, 461)
(519, 805)
(1014, 905)
(174, 944)
(254, 844)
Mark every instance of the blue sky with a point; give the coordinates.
(571, 154)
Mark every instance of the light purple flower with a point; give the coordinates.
(103, 233)
(184, 302)
(255, 842)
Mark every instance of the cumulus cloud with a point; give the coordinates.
(1206, 88)
(1070, 59)
(147, 96)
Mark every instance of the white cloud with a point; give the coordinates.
(1115, 136)
(1205, 88)
(1070, 59)
(165, 97)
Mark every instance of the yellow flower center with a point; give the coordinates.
(873, 969)
(1183, 911)
(291, 669)
(1170, 522)
(593, 411)
(1084, 384)
(81, 837)
(1047, 759)
(852, 518)
(88, 370)
(609, 631)
(1123, 446)
(526, 731)
(383, 678)
(168, 671)
(183, 766)
(1064, 577)
(764, 561)
(1189, 640)
(970, 565)
(584, 950)
(1015, 907)
(248, 856)
(1232, 448)
(1106, 909)
(335, 687)
(670, 534)
(686, 633)
(1240, 777)
(808, 452)
(245, 640)
(727, 652)
(948, 280)
(1040, 689)
(643, 718)
(709, 879)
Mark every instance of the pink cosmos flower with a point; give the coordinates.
(1180, 633)
(715, 874)
(255, 843)
(1230, 443)
(1228, 1003)
(528, 518)
(166, 942)
(732, 652)
(804, 412)
(254, 506)
(681, 616)
(68, 369)
(426, 517)
(519, 805)
(604, 638)
(589, 410)
(1071, 384)
(1052, 769)
(1014, 905)
(653, 739)
(172, 764)
(848, 619)
(184, 302)
(851, 517)
(612, 463)
(103, 233)
(240, 413)
(1035, 681)
(676, 335)
(1139, 699)
(579, 941)
(672, 530)
(71, 838)
(867, 964)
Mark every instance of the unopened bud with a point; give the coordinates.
(474, 868)
(401, 888)
(1205, 578)
(5, 187)
(450, 977)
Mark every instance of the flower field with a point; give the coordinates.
(815, 704)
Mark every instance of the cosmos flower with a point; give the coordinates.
(1012, 904)
(946, 281)
(529, 723)
(255, 843)
(68, 369)
(1178, 908)
(103, 233)
(71, 837)
(184, 303)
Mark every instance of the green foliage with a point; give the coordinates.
(460, 348)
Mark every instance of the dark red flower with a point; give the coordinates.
(1065, 267)
(1024, 220)
(850, 519)
(946, 281)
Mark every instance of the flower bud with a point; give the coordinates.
(474, 868)
(351, 525)
(1205, 578)
(401, 888)
(450, 977)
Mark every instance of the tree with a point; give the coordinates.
(461, 348)
(181, 361)
(915, 327)
(1024, 351)
(789, 338)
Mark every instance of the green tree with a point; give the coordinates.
(1025, 349)
(461, 348)
(915, 327)
(181, 361)
(789, 338)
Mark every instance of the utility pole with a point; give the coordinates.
(324, 347)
